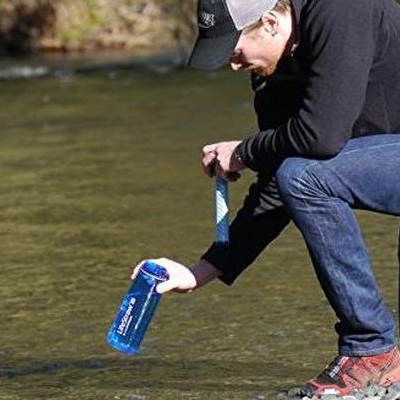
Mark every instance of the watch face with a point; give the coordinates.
(236, 155)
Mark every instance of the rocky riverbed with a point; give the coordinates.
(372, 392)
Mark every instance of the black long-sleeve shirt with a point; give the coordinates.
(342, 81)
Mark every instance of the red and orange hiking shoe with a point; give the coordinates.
(347, 375)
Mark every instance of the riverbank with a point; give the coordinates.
(28, 26)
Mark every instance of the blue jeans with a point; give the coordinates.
(320, 195)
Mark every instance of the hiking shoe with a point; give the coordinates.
(346, 375)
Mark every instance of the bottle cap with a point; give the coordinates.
(154, 270)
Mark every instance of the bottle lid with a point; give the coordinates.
(154, 270)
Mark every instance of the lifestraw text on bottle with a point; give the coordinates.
(126, 319)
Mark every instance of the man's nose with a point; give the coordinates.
(235, 65)
(235, 61)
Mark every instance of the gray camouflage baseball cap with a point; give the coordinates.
(220, 24)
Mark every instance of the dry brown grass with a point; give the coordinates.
(28, 25)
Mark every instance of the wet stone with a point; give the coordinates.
(295, 393)
(329, 397)
(298, 392)
(359, 395)
(381, 391)
(393, 393)
(372, 390)
(259, 397)
(395, 387)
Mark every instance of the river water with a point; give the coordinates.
(100, 170)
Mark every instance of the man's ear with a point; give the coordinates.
(270, 22)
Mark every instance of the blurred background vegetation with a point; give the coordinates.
(28, 26)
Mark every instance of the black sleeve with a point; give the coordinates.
(263, 215)
(337, 45)
(260, 220)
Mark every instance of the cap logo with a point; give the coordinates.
(206, 20)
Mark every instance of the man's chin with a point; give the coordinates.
(264, 71)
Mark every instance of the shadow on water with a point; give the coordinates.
(34, 368)
(180, 374)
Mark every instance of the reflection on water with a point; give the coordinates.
(99, 171)
(60, 65)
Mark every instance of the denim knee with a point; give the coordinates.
(293, 177)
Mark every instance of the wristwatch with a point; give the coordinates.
(236, 156)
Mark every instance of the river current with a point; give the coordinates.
(100, 168)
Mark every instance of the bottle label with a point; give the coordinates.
(127, 318)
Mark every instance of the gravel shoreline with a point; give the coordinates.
(372, 392)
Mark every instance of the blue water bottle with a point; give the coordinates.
(137, 309)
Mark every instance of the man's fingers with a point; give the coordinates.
(136, 270)
(229, 176)
(166, 286)
(233, 176)
(220, 172)
(208, 158)
(210, 148)
(210, 169)
(209, 164)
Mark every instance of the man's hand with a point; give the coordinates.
(218, 159)
(181, 279)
